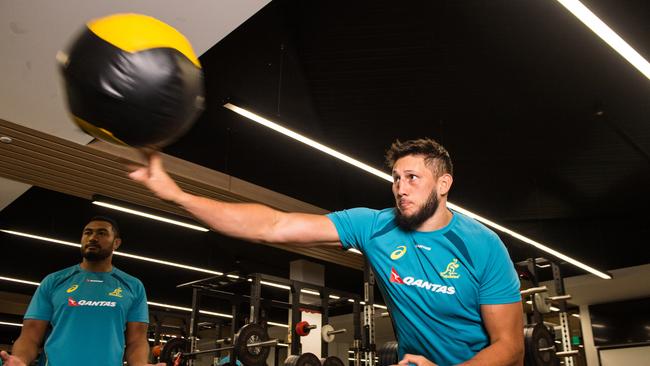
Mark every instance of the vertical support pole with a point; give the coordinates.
(356, 320)
(564, 319)
(295, 318)
(256, 294)
(325, 319)
(194, 321)
(369, 314)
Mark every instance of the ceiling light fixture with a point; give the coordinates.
(294, 135)
(588, 18)
(153, 260)
(117, 253)
(11, 324)
(149, 216)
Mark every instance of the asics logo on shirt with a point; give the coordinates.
(72, 288)
(412, 281)
(398, 253)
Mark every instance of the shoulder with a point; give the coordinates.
(363, 214)
(131, 280)
(62, 274)
(472, 229)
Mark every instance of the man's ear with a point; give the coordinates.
(116, 243)
(444, 184)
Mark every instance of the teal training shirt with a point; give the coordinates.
(88, 312)
(433, 282)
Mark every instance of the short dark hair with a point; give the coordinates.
(432, 151)
(110, 220)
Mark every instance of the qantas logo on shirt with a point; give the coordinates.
(394, 277)
(72, 302)
(412, 281)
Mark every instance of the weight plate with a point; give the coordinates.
(306, 359)
(251, 356)
(327, 338)
(537, 338)
(332, 361)
(542, 304)
(388, 354)
(171, 348)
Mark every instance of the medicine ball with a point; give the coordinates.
(131, 79)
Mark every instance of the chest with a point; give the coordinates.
(86, 293)
(429, 270)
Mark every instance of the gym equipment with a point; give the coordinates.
(303, 328)
(388, 354)
(328, 333)
(251, 347)
(331, 361)
(173, 347)
(131, 79)
(305, 359)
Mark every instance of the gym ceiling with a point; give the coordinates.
(546, 124)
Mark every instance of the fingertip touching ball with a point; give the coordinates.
(131, 79)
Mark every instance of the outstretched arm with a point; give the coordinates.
(249, 221)
(25, 349)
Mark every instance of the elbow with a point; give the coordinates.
(518, 353)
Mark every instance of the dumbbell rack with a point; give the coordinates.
(221, 287)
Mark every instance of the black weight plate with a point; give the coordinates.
(388, 354)
(251, 356)
(306, 359)
(536, 337)
(332, 361)
(171, 348)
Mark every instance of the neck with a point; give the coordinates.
(105, 265)
(441, 218)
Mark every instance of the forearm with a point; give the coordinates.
(137, 353)
(500, 353)
(25, 349)
(249, 221)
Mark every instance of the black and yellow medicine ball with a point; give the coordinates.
(131, 79)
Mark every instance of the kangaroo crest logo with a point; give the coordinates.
(117, 292)
(450, 272)
(398, 253)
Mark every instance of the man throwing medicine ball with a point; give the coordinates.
(449, 283)
(98, 313)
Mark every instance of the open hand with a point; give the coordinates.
(416, 360)
(9, 360)
(156, 178)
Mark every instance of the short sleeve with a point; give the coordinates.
(40, 307)
(499, 281)
(354, 226)
(139, 311)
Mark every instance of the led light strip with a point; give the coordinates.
(118, 253)
(151, 303)
(11, 324)
(150, 216)
(610, 37)
(274, 126)
(163, 262)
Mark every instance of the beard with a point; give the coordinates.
(411, 223)
(96, 256)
